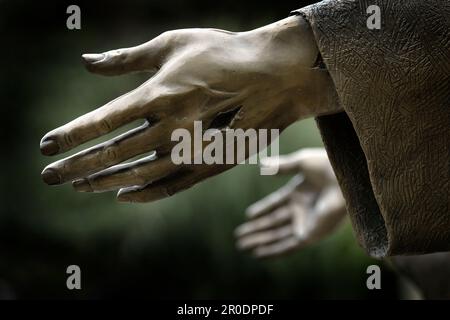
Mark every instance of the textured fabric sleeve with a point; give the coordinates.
(390, 149)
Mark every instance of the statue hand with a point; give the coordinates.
(198, 75)
(301, 213)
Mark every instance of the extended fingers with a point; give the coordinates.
(176, 181)
(264, 237)
(136, 173)
(132, 143)
(272, 220)
(103, 120)
(273, 200)
(279, 248)
(127, 108)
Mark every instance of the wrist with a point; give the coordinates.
(291, 40)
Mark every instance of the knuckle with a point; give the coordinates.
(117, 54)
(166, 35)
(138, 178)
(175, 38)
(166, 38)
(109, 155)
(104, 126)
(67, 139)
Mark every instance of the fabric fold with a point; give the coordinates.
(390, 148)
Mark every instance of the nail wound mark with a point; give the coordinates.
(224, 119)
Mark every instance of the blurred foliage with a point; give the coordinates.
(181, 247)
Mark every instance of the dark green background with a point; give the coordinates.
(181, 247)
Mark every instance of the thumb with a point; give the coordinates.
(286, 164)
(145, 57)
(112, 63)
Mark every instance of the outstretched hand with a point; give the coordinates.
(266, 74)
(300, 213)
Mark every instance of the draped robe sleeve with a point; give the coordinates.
(390, 149)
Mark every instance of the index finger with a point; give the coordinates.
(103, 120)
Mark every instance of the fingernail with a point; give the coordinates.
(49, 147)
(82, 185)
(51, 177)
(93, 57)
